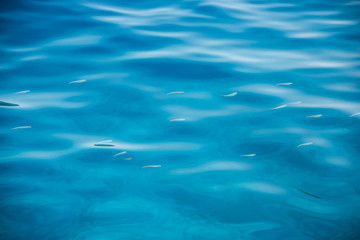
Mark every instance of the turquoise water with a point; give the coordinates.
(205, 120)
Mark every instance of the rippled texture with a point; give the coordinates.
(212, 119)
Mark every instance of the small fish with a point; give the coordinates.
(282, 106)
(298, 102)
(177, 120)
(284, 84)
(355, 114)
(152, 166)
(310, 194)
(249, 155)
(126, 159)
(104, 145)
(305, 144)
(7, 104)
(315, 116)
(78, 81)
(230, 95)
(21, 127)
(26, 91)
(120, 153)
(177, 92)
(106, 141)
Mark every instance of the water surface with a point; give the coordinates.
(211, 119)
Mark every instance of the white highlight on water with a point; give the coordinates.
(298, 102)
(21, 127)
(309, 35)
(214, 166)
(126, 159)
(305, 144)
(230, 95)
(355, 114)
(353, 3)
(78, 81)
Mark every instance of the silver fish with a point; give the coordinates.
(305, 144)
(282, 106)
(284, 84)
(177, 120)
(176, 92)
(315, 116)
(152, 166)
(7, 104)
(26, 91)
(230, 95)
(249, 155)
(21, 127)
(78, 81)
(120, 153)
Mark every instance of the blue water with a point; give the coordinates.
(204, 120)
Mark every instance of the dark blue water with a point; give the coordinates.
(204, 120)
